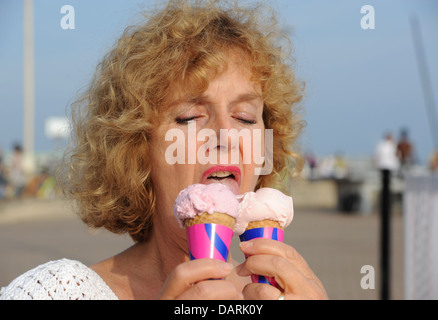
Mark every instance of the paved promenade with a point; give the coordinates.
(336, 245)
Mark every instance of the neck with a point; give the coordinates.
(151, 262)
(140, 271)
(168, 247)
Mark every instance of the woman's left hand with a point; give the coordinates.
(282, 262)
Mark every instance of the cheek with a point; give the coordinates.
(256, 152)
(252, 149)
(249, 179)
(170, 170)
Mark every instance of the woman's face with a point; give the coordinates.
(200, 147)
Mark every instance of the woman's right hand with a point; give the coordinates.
(190, 281)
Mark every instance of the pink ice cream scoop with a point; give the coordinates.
(197, 199)
(208, 212)
(264, 204)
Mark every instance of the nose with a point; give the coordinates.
(221, 120)
(222, 125)
(226, 145)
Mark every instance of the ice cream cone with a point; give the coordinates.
(267, 229)
(209, 235)
(263, 224)
(264, 213)
(216, 217)
(208, 213)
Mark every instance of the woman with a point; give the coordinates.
(205, 66)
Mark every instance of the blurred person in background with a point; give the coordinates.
(17, 176)
(405, 152)
(385, 155)
(433, 161)
(3, 180)
(311, 162)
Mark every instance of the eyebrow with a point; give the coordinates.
(205, 100)
(246, 97)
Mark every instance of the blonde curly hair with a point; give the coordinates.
(108, 166)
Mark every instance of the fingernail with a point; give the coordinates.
(246, 244)
(227, 266)
(238, 268)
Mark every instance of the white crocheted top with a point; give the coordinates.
(58, 280)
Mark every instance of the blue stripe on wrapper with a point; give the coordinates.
(216, 239)
(252, 234)
(259, 233)
(262, 279)
(266, 233)
(275, 234)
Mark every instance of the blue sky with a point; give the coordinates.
(359, 83)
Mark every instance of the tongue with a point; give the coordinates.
(229, 182)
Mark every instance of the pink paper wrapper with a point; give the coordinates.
(209, 240)
(266, 233)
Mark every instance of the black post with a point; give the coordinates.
(385, 235)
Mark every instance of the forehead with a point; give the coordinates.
(233, 76)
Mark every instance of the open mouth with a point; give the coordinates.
(220, 175)
(228, 175)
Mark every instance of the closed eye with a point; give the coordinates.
(186, 120)
(246, 121)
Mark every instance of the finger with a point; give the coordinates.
(288, 277)
(260, 291)
(188, 273)
(212, 290)
(292, 282)
(273, 247)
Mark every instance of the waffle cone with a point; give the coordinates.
(263, 223)
(216, 217)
